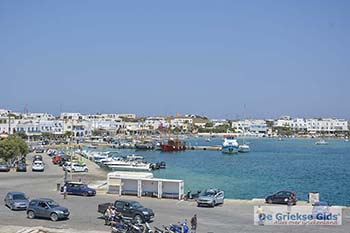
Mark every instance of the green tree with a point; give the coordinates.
(13, 146)
(22, 135)
(209, 125)
(68, 134)
(47, 135)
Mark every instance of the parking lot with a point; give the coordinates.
(233, 216)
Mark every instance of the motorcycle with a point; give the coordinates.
(165, 230)
(192, 196)
(122, 225)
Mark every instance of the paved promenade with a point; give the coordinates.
(233, 216)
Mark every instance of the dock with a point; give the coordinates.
(203, 148)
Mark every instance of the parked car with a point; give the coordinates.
(38, 166)
(4, 167)
(75, 167)
(46, 208)
(211, 197)
(37, 157)
(129, 210)
(21, 167)
(39, 150)
(16, 201)
(78, 188)
(282, 197)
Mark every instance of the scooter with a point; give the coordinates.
(181, 228)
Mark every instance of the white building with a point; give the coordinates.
(181, 122)
(156, 123)
(327, 125)
(252, 126)
(71, 116)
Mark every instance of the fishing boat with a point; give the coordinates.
(229, 146)
(173, 145)
(321, 142)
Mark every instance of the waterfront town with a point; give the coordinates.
(174, 116)
(82, 155)
(84, 125)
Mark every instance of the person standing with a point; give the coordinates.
(194, 223)
(65, 191)
(107, 215)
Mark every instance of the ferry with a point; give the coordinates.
(229, 146)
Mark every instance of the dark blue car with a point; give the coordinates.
(78, 188)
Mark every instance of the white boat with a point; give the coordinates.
(321, 142)
(123, 165)
(229, 146)
(244, 148)
(134, 157)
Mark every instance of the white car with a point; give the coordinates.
(38, 166)
(76, 167)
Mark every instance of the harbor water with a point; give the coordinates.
(272, 165)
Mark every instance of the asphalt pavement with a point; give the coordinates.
(233, 216)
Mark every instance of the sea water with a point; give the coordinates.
(271, 165)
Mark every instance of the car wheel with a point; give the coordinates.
(54, 217)
(86, 170)
(30, 214)
(269, 201)
(138, 218)
(213, 204)
(85, 194)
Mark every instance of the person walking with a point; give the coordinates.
(194, 223)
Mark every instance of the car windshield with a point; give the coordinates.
(18, 196)
(209, 193)
(136, 205)
(52, 204)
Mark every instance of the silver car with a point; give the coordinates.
(16, 201)
(211, 197)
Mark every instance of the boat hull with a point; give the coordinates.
(229, 149)
(168, 148)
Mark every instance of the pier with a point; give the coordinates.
(203, 148)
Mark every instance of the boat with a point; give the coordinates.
(321, 142)
(144, 146)
(244, 148)
(173, 145)
(134, 157)
(229, 146)
(124, 165)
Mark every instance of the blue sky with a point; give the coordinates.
(217, 58)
